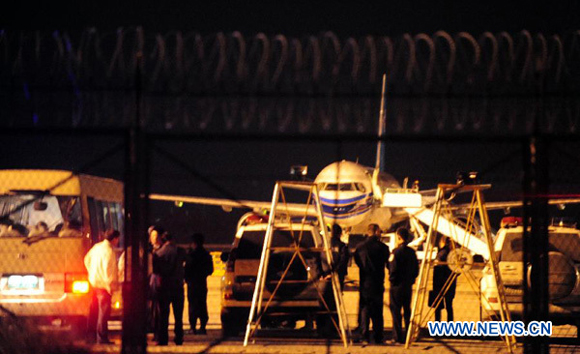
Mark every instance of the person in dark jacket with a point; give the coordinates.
(340, 258)
(168, 263)
(403, 270)
(198, 267)
(155, 243)
(441, 273)
(340, 255)
(372, 257)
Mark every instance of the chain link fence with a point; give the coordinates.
(62, 188)
(53, 213)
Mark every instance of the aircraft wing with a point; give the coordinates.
(228, 204)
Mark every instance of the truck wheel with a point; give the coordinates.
(232, 323)
(561, 277)
(325, 328)
(78, 327)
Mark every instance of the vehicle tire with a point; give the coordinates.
(561, 276)
(325, 328)
(77, 327)
(233, 323)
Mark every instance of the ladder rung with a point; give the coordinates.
(295, 247)
(273, 314)
(301, 249)
(274, 282)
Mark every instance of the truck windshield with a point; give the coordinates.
(251, 243)
(28, 214)
(566, 243)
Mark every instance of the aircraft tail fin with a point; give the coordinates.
(380, 162)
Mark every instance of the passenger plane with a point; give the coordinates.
(351, 194)
(354, 196)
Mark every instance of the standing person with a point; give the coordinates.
(441, 273)
(101, 265)
(372, 257)
(403, 269)
(198, 267)
(168, 264)
(340, 255)
(153, 312)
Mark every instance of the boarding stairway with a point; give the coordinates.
(440, 220)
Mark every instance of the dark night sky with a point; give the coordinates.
(249, 170)
(300, 17)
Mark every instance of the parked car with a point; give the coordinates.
(564, 273)
(299, 296)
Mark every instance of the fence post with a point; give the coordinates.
(535, 275)
(134, 338)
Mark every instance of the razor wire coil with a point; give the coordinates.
(232, 63)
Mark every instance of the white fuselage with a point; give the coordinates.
(351, 196)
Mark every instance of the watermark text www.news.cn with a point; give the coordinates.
(490, 328)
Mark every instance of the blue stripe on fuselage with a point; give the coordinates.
(346, 216)
(338, 209)
(344, 201)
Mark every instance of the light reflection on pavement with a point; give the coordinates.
(295, 342)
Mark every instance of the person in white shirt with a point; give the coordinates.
(101, 264)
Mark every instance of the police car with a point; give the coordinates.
(298, 297)
(563, 277)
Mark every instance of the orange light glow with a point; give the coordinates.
(80, 287)
(117, 304)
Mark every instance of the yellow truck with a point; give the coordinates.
(49, 219)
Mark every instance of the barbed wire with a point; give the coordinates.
(445, 116)
(232, 63)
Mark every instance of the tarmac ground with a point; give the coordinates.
(299, 341)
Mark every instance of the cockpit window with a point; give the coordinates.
(360, 187)
(340, 187)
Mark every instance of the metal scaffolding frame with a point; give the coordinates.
(277, 214)
(462, 264)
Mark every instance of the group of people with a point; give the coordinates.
(373, 257)
(9, 228)
(171, 267)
